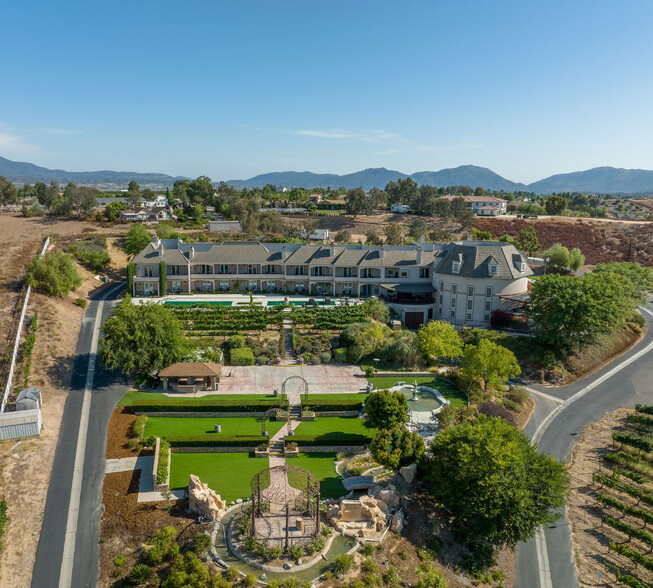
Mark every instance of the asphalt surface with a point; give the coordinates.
(108, 388)
(631, 385)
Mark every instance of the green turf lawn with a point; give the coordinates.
(163, 426)
(321, 465)
(229, 474)
(449, 391)
(325, 425)
(134, 396)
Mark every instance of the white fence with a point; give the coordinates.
(10, 377)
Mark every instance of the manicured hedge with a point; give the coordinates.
(334, 438)
(162, 466)
(241, 356)
(215, 405)
(334, 404)
(216, 441)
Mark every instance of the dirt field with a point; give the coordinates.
(600, 240)
(589, 535)
(25, 469)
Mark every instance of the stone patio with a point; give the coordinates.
(322, 379)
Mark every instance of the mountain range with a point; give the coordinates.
(596, 180)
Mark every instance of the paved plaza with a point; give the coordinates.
(322, 379)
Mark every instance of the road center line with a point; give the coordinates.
(66, 573)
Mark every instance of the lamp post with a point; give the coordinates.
(546, 260)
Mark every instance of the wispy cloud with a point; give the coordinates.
(51, 131)
(373, 136)
(13, 145)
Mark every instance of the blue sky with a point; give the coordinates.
(233, 89)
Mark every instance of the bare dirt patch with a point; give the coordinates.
(119, 432)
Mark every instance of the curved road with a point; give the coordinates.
(67, 553)
(547, 561)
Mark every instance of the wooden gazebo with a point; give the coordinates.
(191, 377)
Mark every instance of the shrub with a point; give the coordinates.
(201, 543)
(275, 552)
(326, 531)
(164, 462)
(494, 409)
(391, 576)
(54, 274)
(317, 544)
(369, 567)
(119, 560)
(315, 360)
(232, 574)
(354, 354)
(94, 261)
(342, 564)
(296, 551)
(249, 580)
(140, 574)
(518, 394)
(369, 371)
(386, 409)
(81, 302)
(340, 355)
(138, 426)
(325, 357)
(510, 405)
(447, 417)
(242, 356)
(367, 549)
(397, 447)
(235, 342)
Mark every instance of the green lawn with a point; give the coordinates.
(229, 474)
(134, 396)
(162, 426)
(449, 391)
(321, 465)
(325, 425)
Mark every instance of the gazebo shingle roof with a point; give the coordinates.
(193, 369)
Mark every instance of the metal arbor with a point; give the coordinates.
(302, 380)
(282, 492)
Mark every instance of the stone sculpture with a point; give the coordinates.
(204, 500)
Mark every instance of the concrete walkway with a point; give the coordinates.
(144, 463)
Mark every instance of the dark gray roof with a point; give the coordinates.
(476, 258)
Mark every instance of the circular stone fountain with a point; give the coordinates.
(424, 402)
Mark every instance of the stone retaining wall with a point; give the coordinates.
(333, 449)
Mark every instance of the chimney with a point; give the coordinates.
(422, 239)
(381, 251)
(332, 249)
(284, 253)
(157, 242)
(418, 255)
(191, 253)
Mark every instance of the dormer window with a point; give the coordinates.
(455, 266)
(493, 268)
(522, 267)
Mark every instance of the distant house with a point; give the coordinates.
(315, 198)
(224, 226)
(146, 214)
(316, 235)
(103, 202)
(400, 208)
(159, 200)
(482, 205)
(29, 399)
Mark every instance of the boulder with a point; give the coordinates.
(397, 524)
(408, 472)
(204, 500)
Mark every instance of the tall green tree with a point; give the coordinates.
(494, 483)
(358, 202)
(555, 204)
(576, 259)
(403, 191)
(137, 239)
(528, 241)
(396, 447)
(394, 234)
(141, 339)
(439, 339)
(8, 192)
(386, 410)
(418, 228)
(558, 256)
(490, 362)
(54, 274)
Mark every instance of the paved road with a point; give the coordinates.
(631, 385)
(107, 389)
